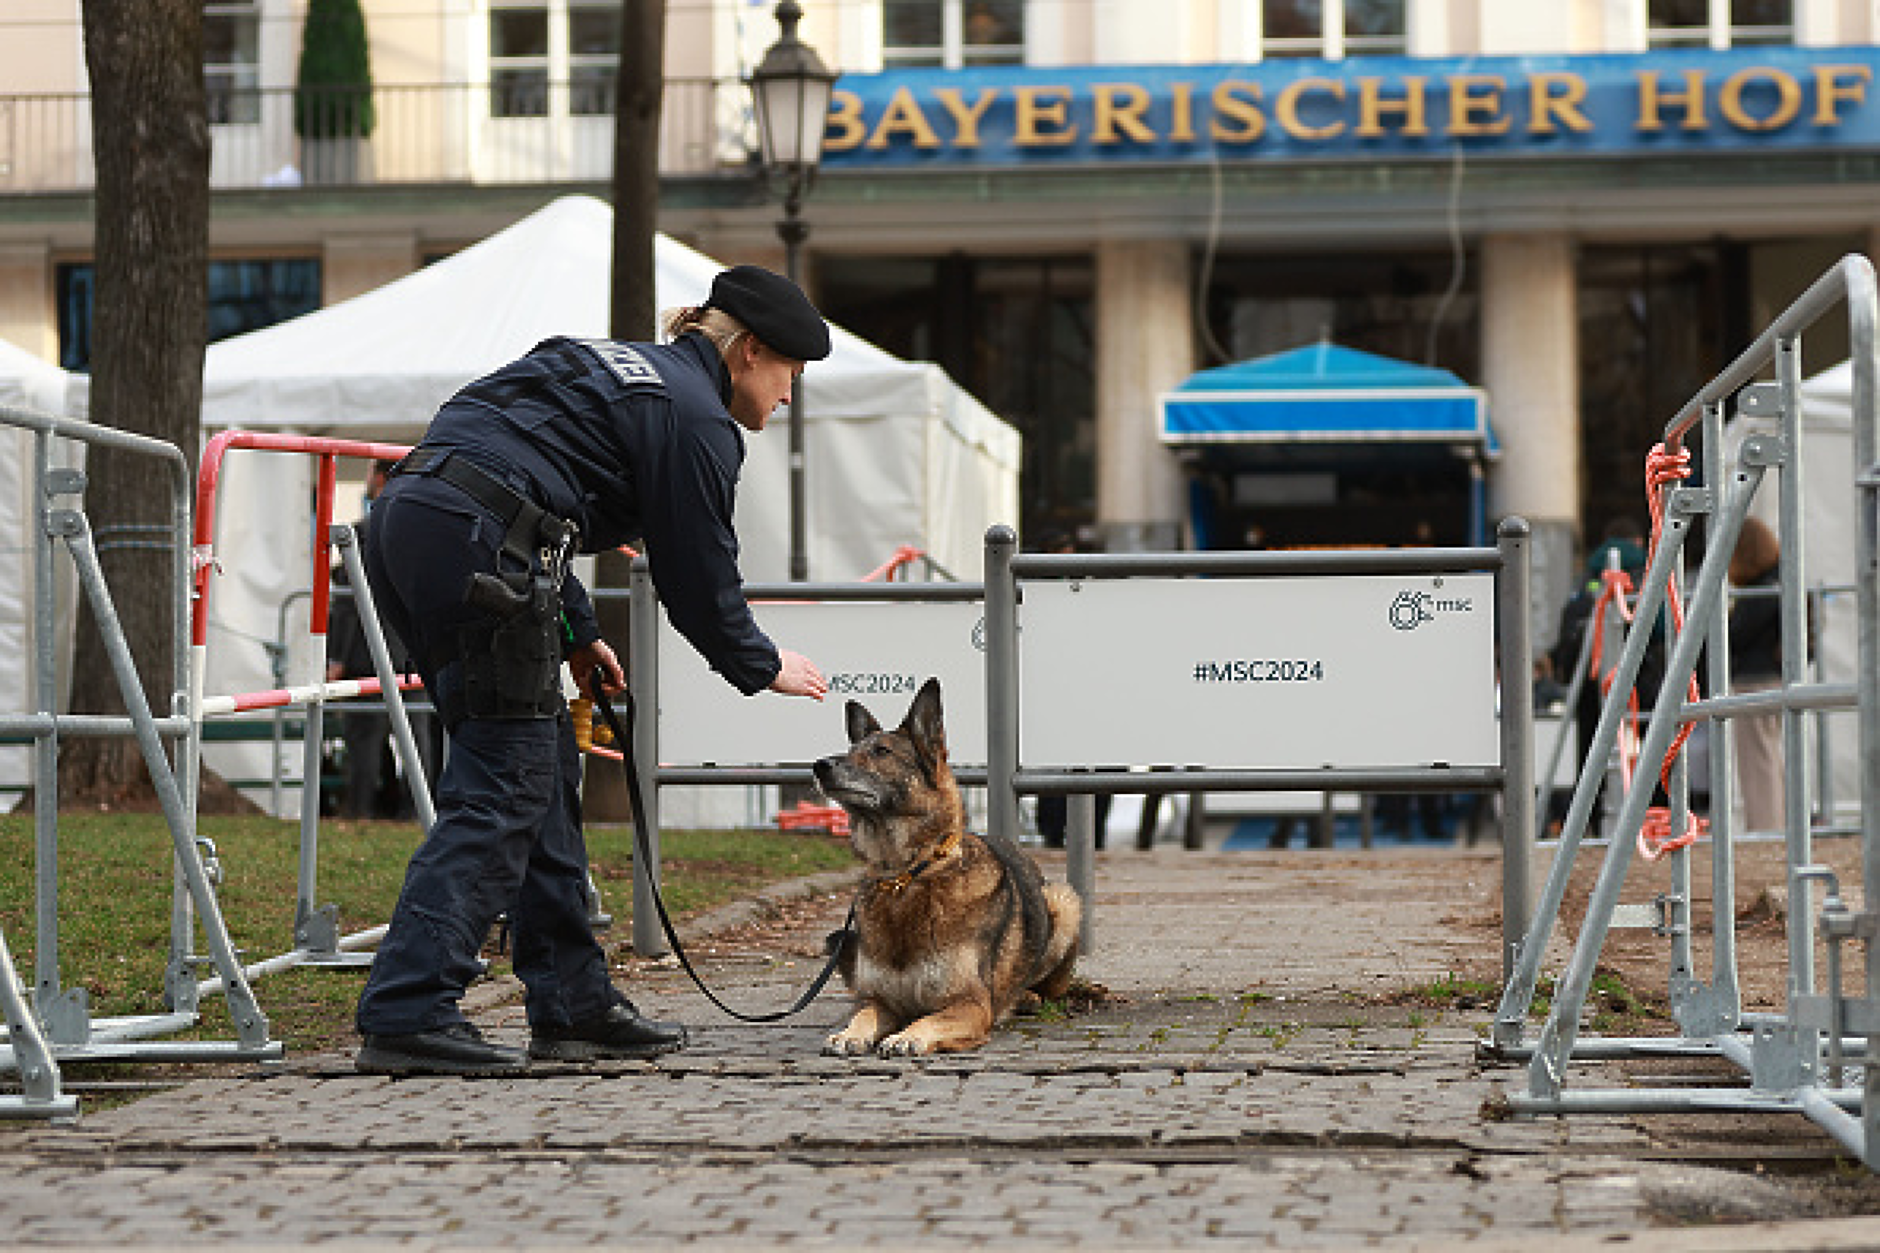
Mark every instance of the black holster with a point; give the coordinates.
(510, 657)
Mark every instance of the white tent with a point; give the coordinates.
(896, 454)
(1828, 533)
(26, 382)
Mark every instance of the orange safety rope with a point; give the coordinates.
(904, 556)
(1663, 468)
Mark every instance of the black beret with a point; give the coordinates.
(775, 310)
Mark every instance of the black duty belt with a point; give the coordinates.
(519, 514)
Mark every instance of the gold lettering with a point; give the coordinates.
(903, 117)
(1237, 101)
(1788, 99)
(1373, 105)
(1120, 106)
(1556, 96)
(1477, 114)
(845, 128)
(1830, 90)
(1181, 128)
(1287, 107)
(966, 117)
(1691, 100)
(1042, 119)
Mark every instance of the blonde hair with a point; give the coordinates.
(719, 327)
(1757, 551)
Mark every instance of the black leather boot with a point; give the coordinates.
(458, 1049)
(618, 1033)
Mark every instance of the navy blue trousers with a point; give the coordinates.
(508, 830)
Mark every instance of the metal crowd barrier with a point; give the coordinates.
(1820, 595)
(317, 940)
(792, 745)
(1797, 1060)
(1008, 574)
(780, 753)
(71, 1033)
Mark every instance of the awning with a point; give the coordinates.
(1326, 394)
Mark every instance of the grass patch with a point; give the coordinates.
(1452, 991)
(1615, 1009)
(115, 885)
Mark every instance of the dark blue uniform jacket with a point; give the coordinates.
(629, 442)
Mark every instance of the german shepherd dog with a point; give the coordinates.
(952, 929)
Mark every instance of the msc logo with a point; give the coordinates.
(1411, 609)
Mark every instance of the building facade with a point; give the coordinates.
(1584, 208)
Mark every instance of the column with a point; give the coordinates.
(1531, 371)
(1145, 346)
(26, 300)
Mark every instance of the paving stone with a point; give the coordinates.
(1178, 1113)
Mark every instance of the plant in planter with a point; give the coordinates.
(333, 110)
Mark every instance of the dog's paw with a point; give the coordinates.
(845, 1044)
(902, 1044)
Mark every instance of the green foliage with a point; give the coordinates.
(114, 901)
(334, 96)
(1452, 991)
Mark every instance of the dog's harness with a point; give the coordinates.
(895, 884)
(642, 843)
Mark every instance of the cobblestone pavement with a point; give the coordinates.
(1247, 1081)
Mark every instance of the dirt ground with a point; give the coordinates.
(1762, 896)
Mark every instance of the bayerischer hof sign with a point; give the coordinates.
(1687, 101)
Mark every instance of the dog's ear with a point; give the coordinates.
(861, 723)
(925, 728)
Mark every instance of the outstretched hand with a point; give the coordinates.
(798, 676)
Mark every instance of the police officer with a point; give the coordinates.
(581, 445)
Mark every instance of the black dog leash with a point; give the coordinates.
(642, 843)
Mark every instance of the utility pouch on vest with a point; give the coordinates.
(512, 665)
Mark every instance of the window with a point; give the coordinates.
(519, 60)
(1016, 332)
(243, 296)
(536, 46)
(231, 59)
(1719, 23)
(593, 56)
(1333, 28)
(953, 33)
(1375, 28)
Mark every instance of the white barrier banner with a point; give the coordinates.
(1295, 673)
(875, 652)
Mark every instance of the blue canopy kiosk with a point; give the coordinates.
(1327, 406)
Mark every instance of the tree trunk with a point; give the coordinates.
(639, 86)
(637, 96)
(150, 138)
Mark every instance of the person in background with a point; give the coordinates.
(371, 786)
(1755, 627)
(1624, 539)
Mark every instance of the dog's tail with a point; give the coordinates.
(1060, 955)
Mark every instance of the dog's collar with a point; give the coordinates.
(897, 883)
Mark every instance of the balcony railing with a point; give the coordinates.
(432, 133)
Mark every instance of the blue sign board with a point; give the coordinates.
(1682, 102)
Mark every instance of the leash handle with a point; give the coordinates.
(642, 843)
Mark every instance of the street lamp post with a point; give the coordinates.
(790, 88)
